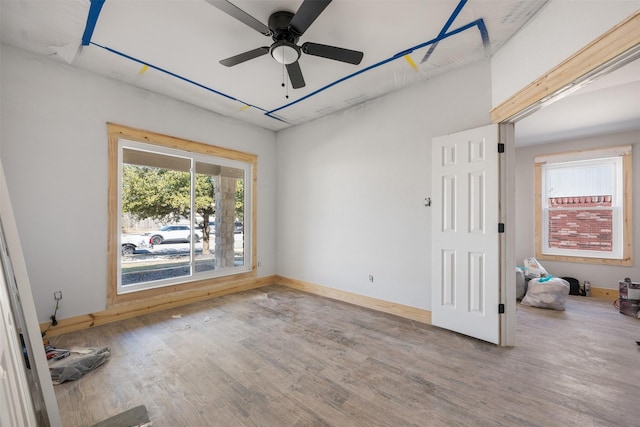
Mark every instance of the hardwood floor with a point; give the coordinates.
(279, 357)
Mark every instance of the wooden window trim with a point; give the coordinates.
(627, 222)
(115, 133)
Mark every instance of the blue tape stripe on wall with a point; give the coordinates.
(92, 20)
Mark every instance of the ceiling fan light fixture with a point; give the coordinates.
(284, 52)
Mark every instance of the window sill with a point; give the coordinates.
(624, 262)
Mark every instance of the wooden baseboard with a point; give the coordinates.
(605, 293)
(413, 313)
(151, 305)
(164, 302)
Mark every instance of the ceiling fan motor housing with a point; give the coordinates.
(279, 26)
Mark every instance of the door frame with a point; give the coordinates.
(605, 54)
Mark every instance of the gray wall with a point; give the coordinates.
(54, 152)
(351, 188)
(599, 275)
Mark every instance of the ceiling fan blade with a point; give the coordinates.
(242, 16)
(238, 59)
(332, 52)
(308, 11)
(295, 75)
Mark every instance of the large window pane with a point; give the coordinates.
(580, 198)
(220, 213)
(182, 217)
(156, 206)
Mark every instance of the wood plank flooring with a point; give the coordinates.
(279, 357)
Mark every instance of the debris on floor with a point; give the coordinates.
(77, 362)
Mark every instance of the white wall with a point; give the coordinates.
(558, 31)
(599, 275)
(351, 188)
(54, 152)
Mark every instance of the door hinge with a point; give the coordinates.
(500, 147)
(501, 227)
(500, 308)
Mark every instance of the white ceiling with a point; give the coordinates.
(182, 42)
(173, 47)
(608, 104)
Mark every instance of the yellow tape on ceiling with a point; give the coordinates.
(143, 69)
(410, 61)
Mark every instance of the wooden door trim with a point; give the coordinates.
(611, 45)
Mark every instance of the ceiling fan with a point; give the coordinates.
(285, 28)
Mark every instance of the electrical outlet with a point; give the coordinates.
(57, 295)
(371, 278)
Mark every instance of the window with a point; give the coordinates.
(583, 206)
(180, 213)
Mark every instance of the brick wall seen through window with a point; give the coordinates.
(581, 223)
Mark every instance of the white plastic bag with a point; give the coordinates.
(533, 268)
(547, 293)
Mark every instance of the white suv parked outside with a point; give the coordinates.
(175, 233)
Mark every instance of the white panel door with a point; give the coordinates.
(465, 286)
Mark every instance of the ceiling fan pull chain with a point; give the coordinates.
(284, 79)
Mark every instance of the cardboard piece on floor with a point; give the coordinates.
(133, 417)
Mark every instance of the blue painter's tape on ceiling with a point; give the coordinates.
(433, 43)
(445, 28)
(178, 76)
(92, 20)
(96, 6)
(453, 17)
(370, 67)
(484, 33)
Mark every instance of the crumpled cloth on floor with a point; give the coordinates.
(81, 361)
